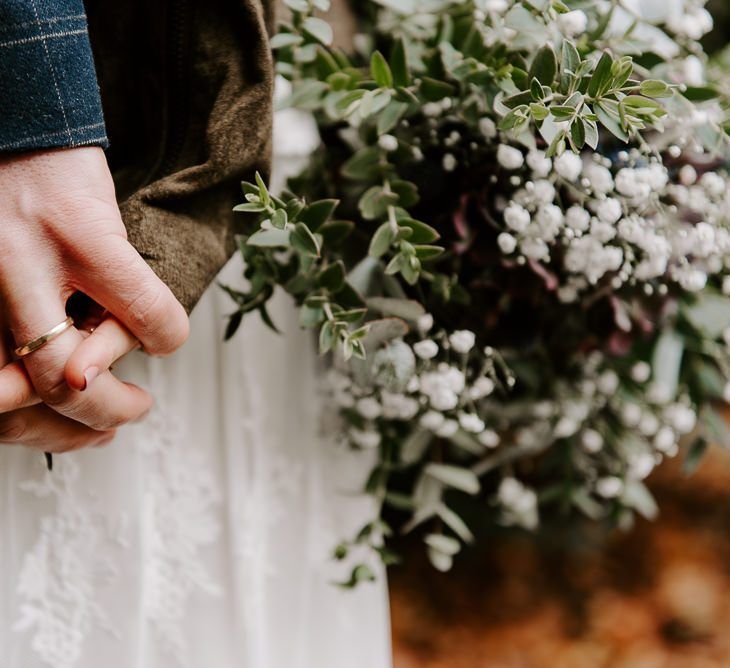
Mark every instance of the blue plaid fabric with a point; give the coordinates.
(49, 95)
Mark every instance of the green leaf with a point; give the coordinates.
(249, 207)
(601, 78)
(407, 192)
(714, 427)
(578, 133)
(332, 277)
(382, 240)
(234, 322)
(544, 66)
(319, 29)
(570, 61)
(455, 476)
(700, 93)
(263, 190)
(434, 90)
(375, 201)
(642, 106)
(363, 166)
(655, 88)
(269, 238)
(304, 241)
(636, 495)
(360, 573)
(399, 64)
(390, 116)
(373, 102)
(591, 133)
(266, 318)
(420, 233)
(279, 219)
(414, 446)
(327, 337)
(667, 362)
(426, 252)
(284, 39)
(407, 309)
(380, 70)
(610, 122)
(695, 455)
(710, 313)
(335, 232)
(539, 111)
(455, 523)
(317, 213)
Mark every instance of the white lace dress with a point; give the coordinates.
(201, 538)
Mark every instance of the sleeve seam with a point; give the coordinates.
(39, 138)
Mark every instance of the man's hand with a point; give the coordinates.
(60, 232)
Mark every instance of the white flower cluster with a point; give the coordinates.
(441, 396)
(579, 412)
(627, 223)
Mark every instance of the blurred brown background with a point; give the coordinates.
(656, 597)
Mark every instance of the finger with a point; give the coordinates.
(122, 282)
(16, 388)
(41, 427)
(33, 308)
(109, 342)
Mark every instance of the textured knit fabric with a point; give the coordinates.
(48, 91)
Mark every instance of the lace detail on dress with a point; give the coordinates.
(61, 572)
(179, 520)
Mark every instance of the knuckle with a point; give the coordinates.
(13, 429)
(157, 316)
(145, 310)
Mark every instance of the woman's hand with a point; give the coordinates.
(60, 232)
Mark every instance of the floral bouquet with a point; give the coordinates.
(514, 238)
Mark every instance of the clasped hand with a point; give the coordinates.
(61, 234)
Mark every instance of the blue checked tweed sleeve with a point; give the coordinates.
(49, 96)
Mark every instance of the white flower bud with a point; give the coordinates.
(489, 438)
(641, 372)
(425, 323)
(432, 420)
(539, 164)
(509, 157)
(591, 441)
(609, 487)
(609, 210)
(569, 165)
(426, 349)
(449, 162)
(665, 440)
(573, 23)
(369, 408)
(388, 143)
(365, 439)
(516, 217)
(462, 341)
(507, 243)
(471, 423)
(482, 387)
(447, 429)
(488, 128)
(577, 218)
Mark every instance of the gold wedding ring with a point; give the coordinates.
(41, 341)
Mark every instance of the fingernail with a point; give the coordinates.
(89, 375)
